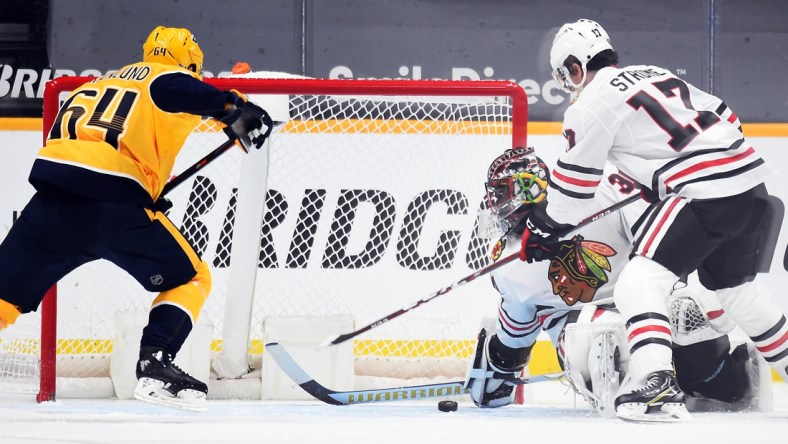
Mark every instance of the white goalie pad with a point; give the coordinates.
(596, 357)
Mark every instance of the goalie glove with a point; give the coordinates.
(540, 235)
(492, 365)
(247, 122)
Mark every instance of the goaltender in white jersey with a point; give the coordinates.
(552, 296)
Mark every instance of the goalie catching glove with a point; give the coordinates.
(492, 365)
(247, 122)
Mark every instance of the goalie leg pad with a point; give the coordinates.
(494, 363)
(595, 361)
(604, 366)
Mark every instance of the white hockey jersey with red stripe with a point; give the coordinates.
(659, 130)
(528, 304)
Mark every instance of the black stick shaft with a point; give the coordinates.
(197, 166)
(494, 266)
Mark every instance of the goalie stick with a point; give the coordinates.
(404, 393)
(494, 266)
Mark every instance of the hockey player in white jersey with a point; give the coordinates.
(709, 210)
(589, 338)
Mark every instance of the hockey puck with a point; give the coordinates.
(448, 406)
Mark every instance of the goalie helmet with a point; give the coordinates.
(583, 39)
(173, 46)
(515, 180)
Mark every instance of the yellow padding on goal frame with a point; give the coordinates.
(543, 357)
(377, 126)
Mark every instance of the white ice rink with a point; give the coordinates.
(548, 417)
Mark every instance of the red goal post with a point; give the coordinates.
(511, 126)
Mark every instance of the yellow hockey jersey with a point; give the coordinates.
(116, 138)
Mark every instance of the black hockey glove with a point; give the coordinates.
(247, 122)
(541, 235)
(536, 249)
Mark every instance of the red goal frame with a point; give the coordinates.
(383, 87)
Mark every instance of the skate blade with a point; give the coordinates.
(669, 412)
(152, 391)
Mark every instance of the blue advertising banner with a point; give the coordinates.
(733, 49)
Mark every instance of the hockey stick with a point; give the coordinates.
(405, 393)
(208, 158)
(494, 266)
(197, 166)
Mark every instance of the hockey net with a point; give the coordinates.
(370, 191)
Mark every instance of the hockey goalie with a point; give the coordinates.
(569, 296)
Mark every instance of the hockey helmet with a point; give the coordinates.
(515, 180)
(173, 46)
(583, 39)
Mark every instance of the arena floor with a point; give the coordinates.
(550, 414)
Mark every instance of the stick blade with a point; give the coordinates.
(294, 371)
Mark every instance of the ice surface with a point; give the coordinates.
(548, 417)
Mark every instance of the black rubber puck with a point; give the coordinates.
(448, 406)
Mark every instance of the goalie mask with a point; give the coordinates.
(173, 46)
(515, 180)
(583, 39)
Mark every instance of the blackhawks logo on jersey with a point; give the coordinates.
(497, 249)
(579, 269)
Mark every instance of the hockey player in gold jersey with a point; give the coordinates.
(98, 182)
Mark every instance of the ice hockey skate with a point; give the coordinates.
(162, 382)
(660, 400)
